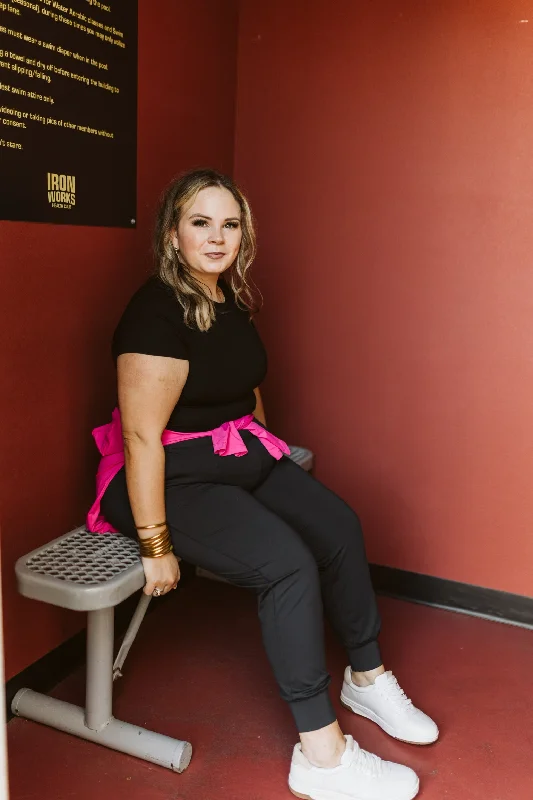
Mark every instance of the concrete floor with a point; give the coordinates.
(198, 672)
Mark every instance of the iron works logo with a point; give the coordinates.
(61, 190)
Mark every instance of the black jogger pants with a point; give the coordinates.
(269, 526)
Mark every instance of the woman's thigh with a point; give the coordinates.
(323, 520)
(221, 528)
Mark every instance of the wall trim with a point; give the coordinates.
(491, 604)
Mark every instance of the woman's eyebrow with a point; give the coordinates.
(228, 219)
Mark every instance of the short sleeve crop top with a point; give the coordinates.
(226, 363)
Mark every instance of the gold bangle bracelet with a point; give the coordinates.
(154, 542)
(152, 552)
(156, 546)
(158, 554)
(155, 536)
(149, 527)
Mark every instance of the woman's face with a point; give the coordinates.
(209, 232)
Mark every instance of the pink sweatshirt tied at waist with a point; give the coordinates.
(227, 441)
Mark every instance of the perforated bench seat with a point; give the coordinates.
(94, 572)
(82, 571)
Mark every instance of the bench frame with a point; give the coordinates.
(94, 573)
(95, 722)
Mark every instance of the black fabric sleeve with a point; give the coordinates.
(153, 325)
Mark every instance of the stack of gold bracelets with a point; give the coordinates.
(157, 545)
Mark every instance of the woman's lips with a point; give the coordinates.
(215, 256)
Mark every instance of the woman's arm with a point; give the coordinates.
(148, 389)
(259, 412)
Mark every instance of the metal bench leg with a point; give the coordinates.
(99, 681)
(96, 723)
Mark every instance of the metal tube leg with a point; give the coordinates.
(163, 750)
(131, 633)
(99, 686)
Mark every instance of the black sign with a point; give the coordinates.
(68, 111)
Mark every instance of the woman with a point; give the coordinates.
(190, 465)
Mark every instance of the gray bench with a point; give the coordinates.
(92, 572)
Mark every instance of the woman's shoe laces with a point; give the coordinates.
(395, 693)
(367, 762)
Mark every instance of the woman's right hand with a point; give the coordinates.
(161, 573)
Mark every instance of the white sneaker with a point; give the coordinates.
(359, 776)
(386, 703)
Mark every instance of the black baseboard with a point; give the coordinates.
(491, 603)
(52, 668)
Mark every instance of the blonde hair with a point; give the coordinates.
(198, 308)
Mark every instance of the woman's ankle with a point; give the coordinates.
(364, 679)
(325, 747)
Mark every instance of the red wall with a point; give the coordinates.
(387, 151)
(388, 154)
(62, 290)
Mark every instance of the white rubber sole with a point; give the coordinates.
(361, 711)
(323, 794)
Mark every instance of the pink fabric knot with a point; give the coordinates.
(227, 441)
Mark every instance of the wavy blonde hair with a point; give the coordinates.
(198, 308)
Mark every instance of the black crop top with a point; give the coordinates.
(226, 363)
